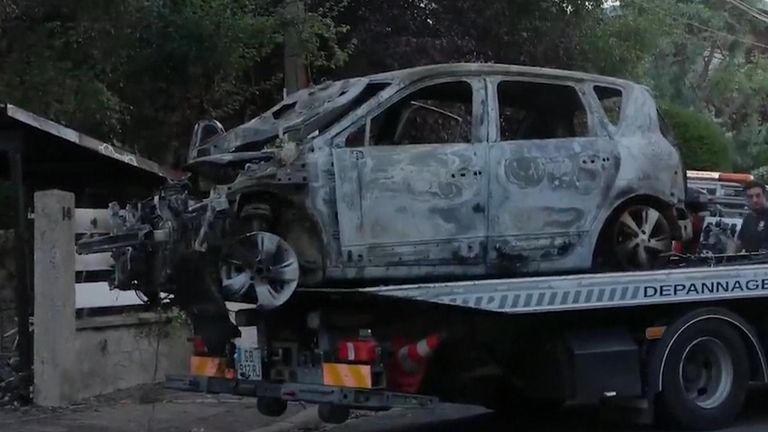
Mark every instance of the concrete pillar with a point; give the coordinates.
(54, 324)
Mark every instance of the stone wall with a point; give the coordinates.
(114, 353)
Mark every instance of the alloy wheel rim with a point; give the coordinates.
(259, 267)
(642, 236)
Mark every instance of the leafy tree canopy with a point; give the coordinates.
(703, 145)
(141, 72)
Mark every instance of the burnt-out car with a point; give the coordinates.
(434, 173)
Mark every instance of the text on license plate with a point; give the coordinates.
(248, 363)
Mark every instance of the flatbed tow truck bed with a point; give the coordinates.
(589, 291)
(715, 335)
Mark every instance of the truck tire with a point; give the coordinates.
(704, 378)
(271, 407)
(332, 413)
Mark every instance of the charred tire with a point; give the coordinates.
(704, 377)
(271, 407)
(332, 413)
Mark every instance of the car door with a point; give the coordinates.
(550, 169)
(410, 178)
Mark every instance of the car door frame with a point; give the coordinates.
(513, 252)
(355, 254)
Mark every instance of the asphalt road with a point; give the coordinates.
(463, 418)
(150, 409)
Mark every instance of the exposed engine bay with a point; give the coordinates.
(201, 252)
(151, 240)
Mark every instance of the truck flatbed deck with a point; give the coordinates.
(690, 363)
(725, 281)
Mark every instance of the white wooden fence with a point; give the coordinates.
(92, 271)
(79, 355)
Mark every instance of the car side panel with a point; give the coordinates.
(656, 167)
(546, 194)
(422, 204)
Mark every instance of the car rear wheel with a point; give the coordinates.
(640, 238)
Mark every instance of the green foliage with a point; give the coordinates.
(142, 72)
(52, 61)
(619, 44)
(403, 33)
(179, 321)
(710, 65)
(702, 143)
(761, 173)
(738, 94)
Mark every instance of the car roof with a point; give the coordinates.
(448, 69)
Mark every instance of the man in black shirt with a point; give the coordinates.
(753, 235)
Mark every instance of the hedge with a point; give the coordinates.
(702, 143)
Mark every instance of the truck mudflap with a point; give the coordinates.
(366, 399)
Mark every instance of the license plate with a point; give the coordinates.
(248, 363)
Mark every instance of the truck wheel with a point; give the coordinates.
(704, 377)
(332, 413)
(271, 407)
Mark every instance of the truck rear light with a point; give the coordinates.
(358, 351)
(198, 346)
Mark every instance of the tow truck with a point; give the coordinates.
(682, 343)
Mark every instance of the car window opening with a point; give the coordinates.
(529, 110)
(610, 99)
(436, 114)
(665, 130)
(369, 92)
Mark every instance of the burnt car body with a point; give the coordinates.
(433, 173)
